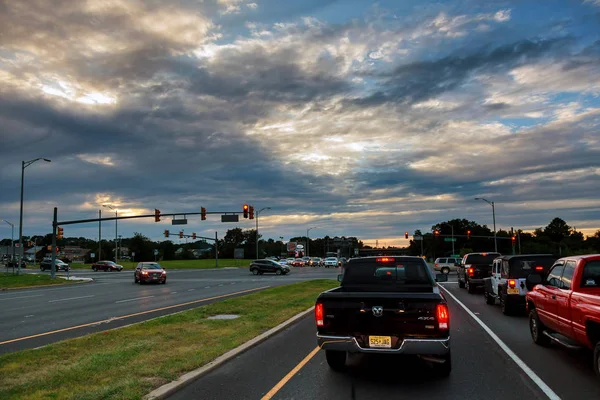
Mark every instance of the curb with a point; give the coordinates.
(170, 388)
(45, 286)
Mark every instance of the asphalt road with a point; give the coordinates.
(481, 368)
(34, 317)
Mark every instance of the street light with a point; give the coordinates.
(116, 228)
(24, 164)
(257, 214)
(308, 241)
(12, 240)
(491, 203)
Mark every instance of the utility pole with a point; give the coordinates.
(99, 235)
(53, 267)
(216, 250)
(494, 218)
(452, 226)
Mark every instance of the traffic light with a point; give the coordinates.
(181, 235)
(203, 213)
(156, 215)
(194, 235)
(469, 234)
(59, 234)
(514, 239)
(436, 232)
(245, 210)
(405, 235)
(166, 233)
(251, 212)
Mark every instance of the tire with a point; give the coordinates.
(536, 328)
(254, 271)
(597, 359)
(164, 282)
(278, 272)
(443, 370)
(506, 308)
(469, 287)
(336, 360)
(489, 299)
(445, 270)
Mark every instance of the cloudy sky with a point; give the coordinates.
(361, 118)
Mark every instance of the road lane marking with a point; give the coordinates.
(532, 375)
(206, 287)
(137, 298)
(21, 297)
(71, 298)
(290, 375)
(191, 290)
(130, 315)
(173, 292)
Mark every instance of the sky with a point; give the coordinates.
(358, 118)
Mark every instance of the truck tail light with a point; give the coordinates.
(512, 283)
(443, 316)
(539, 268)
(471, 271)
(319, 314)
(385, 259)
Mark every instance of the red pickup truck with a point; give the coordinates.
(564, 306)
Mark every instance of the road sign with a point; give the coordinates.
(230, 218)
(238, 254)
(92, 255)
(417, 237)
(155, 252)
(449, 239)
(133, 254)
(179, 222)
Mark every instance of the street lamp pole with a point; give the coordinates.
(12, 241)
(24, 164)
(308, 241)
(491, 203)
(116, 228)
(257, 214)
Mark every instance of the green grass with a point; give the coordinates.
(27, 280)
(130, 362)
(179, 264)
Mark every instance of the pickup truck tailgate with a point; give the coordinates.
(401, 315)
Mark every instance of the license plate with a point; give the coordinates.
(156, 277)
(384, 342)
(513, 290)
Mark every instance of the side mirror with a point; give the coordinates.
(339, 277)
(441, 278)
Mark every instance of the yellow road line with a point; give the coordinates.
(290, 375)
(128, 316)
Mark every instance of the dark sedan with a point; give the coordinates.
(60, 265)
(149, 272)
(107, 266)
(259, 267)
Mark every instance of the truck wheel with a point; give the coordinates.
(488, 298)
(597, 359)
(336, 359)
(536, 328)
(443, 370)
(469, 287)
(506, 308)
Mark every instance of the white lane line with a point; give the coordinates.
(191, 290)
(532, 375)
(173, 292)
(137, 298)
(206, 287)
(221, 284)
(28, 316)
(21, 297)
(71, 298)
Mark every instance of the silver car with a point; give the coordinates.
(446, 264)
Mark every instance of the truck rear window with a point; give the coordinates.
(398, 272)
(522, 267)
(481, 259)
(591, 274)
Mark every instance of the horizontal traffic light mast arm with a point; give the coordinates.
(176, 235)
(83, 221)
(473, 236)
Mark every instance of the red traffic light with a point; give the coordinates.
(436, 232)
(468, 234)
(194, 235)
(514, 238)
(245, 210)
(405, 235)
(166, 233)
(181, 235)
(203, 213)
(156, 215)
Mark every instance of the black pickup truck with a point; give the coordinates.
(474, 268)
(387, 305)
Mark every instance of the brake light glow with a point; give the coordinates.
(385, 259)
(443, 316)
(539, 268)
(471, 271)
(512, 283)
(319, 314)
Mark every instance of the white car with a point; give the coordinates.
(330, 262)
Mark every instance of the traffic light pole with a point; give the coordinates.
(54, 226)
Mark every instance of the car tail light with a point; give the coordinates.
(471, 271)
(443, 316)
(385, 259)
(319, 314)
(437, 265)
(539, 268)
(512, 283)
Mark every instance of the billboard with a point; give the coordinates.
(291, 247)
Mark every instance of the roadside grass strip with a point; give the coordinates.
(10, 281)
(129, 362)
(179, 264)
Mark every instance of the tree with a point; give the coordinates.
(557, 230)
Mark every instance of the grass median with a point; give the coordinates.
(179, 264)
(130, 362)
(10, 281)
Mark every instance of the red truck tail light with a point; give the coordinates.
(512, 283)
(385, 259)
(443, 316)
(539, 268)
(471, 271)
(319, 314)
